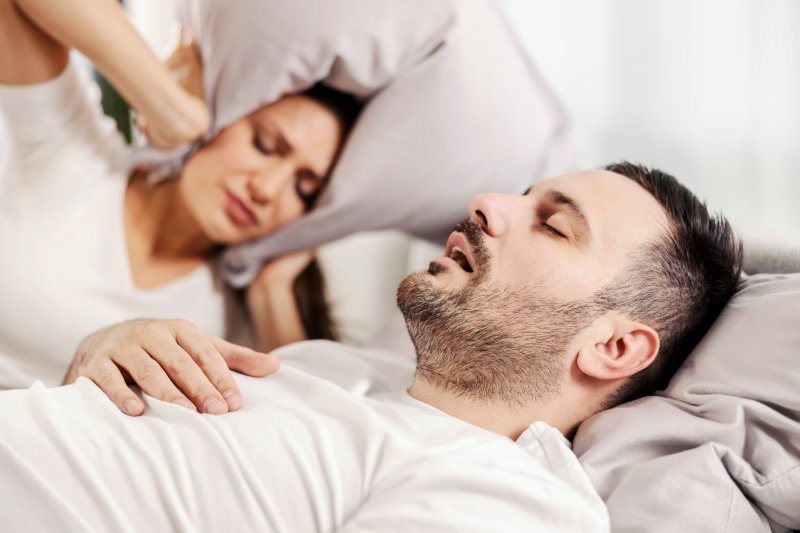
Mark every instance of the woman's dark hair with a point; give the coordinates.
(679, 284)
(346, 108)
(344, 105)
(312, 305)
(309, 287)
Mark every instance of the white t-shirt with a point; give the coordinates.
(64, 269)
(302, 455)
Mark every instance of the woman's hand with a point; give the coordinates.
(185, 118)
(272, 304)
(170, 360)
(186, 66)
(178, 120)
(282, 271)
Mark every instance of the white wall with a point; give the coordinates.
(707, 90)
(156, 21)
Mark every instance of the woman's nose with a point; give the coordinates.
(264, 186)
(493, 212)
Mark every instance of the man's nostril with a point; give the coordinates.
(483, 221)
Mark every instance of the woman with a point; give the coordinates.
(87, 242)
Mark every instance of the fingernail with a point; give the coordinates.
(183, 402)
(215, 407)
(233, 398)
(131, 406)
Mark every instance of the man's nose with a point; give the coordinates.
(264, 186)
(493, 211)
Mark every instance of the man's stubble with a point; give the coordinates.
(493, 340)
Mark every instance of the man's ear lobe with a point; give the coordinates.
(628, 348)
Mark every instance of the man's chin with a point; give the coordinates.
(416, 295)
(413, 284)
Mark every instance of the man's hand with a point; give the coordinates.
(170, 360)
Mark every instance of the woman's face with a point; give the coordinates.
(262, 171)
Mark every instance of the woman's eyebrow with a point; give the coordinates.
(282, 145)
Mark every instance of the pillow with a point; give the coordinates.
(725, 433)
(763, 257)
(453, 107)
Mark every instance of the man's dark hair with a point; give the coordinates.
(678, 285)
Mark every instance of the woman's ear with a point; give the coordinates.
(620, 348)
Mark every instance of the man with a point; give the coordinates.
(546, 308)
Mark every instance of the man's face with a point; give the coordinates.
(494, 317)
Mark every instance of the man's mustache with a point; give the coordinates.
(475, 234)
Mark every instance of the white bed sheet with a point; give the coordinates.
(302, 455)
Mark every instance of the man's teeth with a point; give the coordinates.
(458, 255)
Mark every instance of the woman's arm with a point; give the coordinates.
(27, 54)
(35, 38)
(272, 304)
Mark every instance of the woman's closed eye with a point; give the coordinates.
(261, 146)
(307, 186)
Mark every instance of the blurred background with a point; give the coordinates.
(708, 91)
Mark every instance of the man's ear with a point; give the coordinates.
(618, 348)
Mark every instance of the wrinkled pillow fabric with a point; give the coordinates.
(453, 107)
(723, 436)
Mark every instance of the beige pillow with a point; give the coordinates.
(719, 449)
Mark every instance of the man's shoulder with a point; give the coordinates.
(360, 371)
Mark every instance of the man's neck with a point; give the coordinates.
(497, 417)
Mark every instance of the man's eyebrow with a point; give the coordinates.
(559, 198)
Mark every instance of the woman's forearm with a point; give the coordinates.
(100, 30)
(275, 317)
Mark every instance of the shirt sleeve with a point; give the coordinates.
(474, 498)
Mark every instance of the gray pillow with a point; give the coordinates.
(723, 436)
(454, 107)
(763, 257)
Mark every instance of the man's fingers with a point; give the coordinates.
(186, 373)
(209, 359)
(150, 377)
(245, 360)
(109, 378)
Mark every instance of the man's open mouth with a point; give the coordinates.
(458, 250)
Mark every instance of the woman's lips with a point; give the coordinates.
(238, 212)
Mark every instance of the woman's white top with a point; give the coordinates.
(64, 269)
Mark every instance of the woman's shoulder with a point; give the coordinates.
(56, 129)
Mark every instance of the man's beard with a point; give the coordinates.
(489, 341)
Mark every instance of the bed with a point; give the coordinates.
(718, 450)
